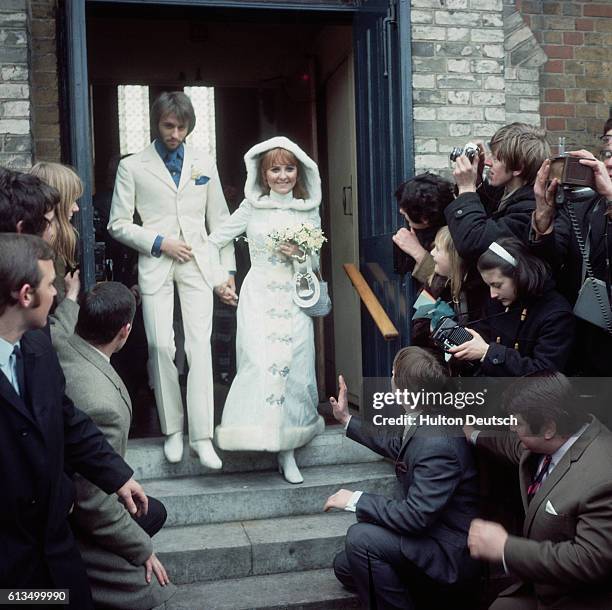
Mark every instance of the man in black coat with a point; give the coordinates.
(42, 436)
(552, 237)
(502, 208)
(397, 545)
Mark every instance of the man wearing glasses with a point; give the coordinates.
(574, 234)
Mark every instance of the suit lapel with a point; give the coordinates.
(186, 171)
(37, 394)
(7, 391)
(560, 470)
(103, 366)
(152, 162)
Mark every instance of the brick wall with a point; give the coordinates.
(44, 77)
(15, 137)
(576, 81)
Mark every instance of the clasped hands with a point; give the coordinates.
(227, 291)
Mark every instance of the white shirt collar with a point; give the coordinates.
(99, 352)
(559, 453)
(6, 351)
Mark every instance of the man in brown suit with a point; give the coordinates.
(122, 569)
(563, 561)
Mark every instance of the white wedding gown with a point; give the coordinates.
(272, 403)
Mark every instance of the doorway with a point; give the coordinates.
(379, 33)
(265, 73)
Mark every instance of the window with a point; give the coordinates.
(134, 126)
(134, 131)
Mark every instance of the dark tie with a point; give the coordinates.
(20, 370)
(539, 477)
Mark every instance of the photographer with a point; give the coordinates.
(530, 326)
(553, 238)
(517, 152)
(421, 201)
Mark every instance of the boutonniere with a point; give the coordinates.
(199, 176)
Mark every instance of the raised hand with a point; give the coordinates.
(545, 199)
(466, 174)
(340, 406)
(408, 242)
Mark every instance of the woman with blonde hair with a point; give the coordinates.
(70, 188)
(453, 282)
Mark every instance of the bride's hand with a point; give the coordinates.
(290, 250)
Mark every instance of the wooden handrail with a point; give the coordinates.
(379, 315)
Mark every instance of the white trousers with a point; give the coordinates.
(196, 300)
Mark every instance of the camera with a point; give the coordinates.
(449, 334)
(470, 150)
(571, 173)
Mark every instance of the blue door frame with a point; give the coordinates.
(385, 153)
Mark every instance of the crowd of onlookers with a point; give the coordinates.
(519, 258)
(522, 258)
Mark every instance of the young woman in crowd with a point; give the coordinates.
(452, 282)
(528, 326)
(272, 403)
(64, 242)
(421, 201)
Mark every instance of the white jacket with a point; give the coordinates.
(190, 211)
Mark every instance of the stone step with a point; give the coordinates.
(310, 590)
(264, 495)
(146, 457)
(218, 551)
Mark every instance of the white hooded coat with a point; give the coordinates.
(272, 403)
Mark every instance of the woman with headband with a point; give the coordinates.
(528, 326)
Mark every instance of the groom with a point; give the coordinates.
(177, 192)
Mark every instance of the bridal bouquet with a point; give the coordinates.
(306, 236)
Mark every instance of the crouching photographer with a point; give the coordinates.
(527, 327)
(502, 206)
(572, 229)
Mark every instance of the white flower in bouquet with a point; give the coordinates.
(306, 236)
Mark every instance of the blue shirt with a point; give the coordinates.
(173, 160)
(8, 362)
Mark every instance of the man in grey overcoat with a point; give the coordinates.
(123, 571)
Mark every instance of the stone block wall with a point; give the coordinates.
(15, 107)
(576, 81)
(475, 68)
(44, 78)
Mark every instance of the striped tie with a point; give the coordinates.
(539, 477)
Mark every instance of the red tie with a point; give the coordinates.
(539, 477)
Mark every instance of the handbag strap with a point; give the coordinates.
(585, 250)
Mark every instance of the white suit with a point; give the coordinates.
(186, 212)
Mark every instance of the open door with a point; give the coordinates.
(384, 159)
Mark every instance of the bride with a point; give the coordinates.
(272, 403)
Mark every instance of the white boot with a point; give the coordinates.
(173, 447)
(206, 453)
(288, 468)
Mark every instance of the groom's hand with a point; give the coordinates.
(340, 406)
